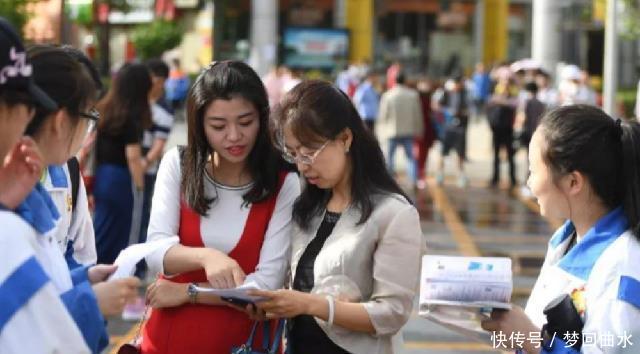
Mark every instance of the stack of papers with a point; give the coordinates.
(458, 292)
(239, 293)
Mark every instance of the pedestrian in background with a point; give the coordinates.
(454, 100)
(501, 116)
(423, 144)
(366, 99)
(125, 114)
(400, 122)
(481, 89)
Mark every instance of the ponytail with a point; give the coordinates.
(630, 139)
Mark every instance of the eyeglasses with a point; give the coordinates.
(93, 116)
(307, 159)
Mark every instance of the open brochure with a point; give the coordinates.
(458, 292)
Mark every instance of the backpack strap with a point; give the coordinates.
(74, 173)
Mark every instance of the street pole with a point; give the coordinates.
(610, 59)
(264, 35)
(546, 36)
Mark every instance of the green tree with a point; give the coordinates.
(15, 11)
(151, 40)
(629, 19)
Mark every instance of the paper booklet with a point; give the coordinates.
(459, 292)
(239, 293)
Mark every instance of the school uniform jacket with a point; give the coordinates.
(602, 274)
(33, 319)
(74, 230)
(73, 287)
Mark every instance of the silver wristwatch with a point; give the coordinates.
(192, 292)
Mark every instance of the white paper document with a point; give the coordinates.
(130, 256)
(240, 293)
(458, 292)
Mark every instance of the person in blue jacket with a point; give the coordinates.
(59, 134)
(585, 168)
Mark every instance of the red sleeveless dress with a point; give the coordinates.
(207, 329)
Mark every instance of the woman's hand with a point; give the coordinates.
(113, 295)
(165, 293)
(100, 272)
(21, 170)
(283, 303)
(223, 272)
(508, 322)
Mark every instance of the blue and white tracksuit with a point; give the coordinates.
(73, 287)
(602, 272)
(33, 318)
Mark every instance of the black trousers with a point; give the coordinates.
(503, 138)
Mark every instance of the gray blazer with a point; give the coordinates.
(381, 257)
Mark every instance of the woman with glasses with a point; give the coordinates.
(356, 241)
(120, 165)
(230, 205)
(59, 134)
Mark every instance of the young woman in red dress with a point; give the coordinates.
(230, 203)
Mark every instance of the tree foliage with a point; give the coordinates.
(15, 11)
(153, 39)
(630, 22)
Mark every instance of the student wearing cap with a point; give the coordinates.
(33, 319)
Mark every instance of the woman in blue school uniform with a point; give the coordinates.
(59, 134)
(119, 178)
(585, 168)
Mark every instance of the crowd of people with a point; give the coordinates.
(290, 195)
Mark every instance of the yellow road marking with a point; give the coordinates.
(451, 218)
(118, 341)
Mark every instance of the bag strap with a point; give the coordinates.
(249, 342)
(278, 336)
(266, 335)
(74, 173)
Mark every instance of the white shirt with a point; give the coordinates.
(223, 226)
(603, 269)
(41, 324)
(74, 225)
(162, 124)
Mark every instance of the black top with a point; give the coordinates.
(306, 336)
(111, 146)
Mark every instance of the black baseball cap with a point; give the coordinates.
(15, 72)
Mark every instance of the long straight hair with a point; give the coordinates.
(316, 110)
(585, 139)
(127, 100)
(226, 80)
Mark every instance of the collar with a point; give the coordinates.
(580, 259)
(56, 175)
(38, 210)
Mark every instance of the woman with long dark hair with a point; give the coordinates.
(356, 243)
(230, 205)
(125, 113)
(585, 168)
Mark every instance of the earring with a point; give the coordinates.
(346, 150)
